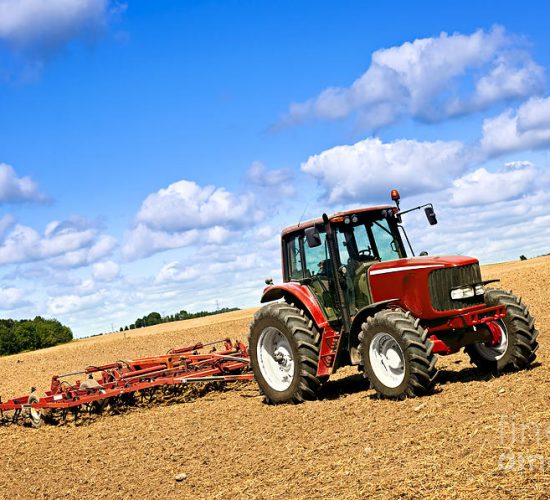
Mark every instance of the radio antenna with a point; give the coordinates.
(303, 213)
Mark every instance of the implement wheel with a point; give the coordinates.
(397, 355)
(284, 352)
(518, 337)
(35, 414)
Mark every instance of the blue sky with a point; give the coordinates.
(150, 152)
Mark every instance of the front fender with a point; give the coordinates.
(369, 310)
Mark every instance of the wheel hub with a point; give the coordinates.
(497, 346)
(387, 360)
(275, 359)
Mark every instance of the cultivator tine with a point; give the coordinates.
(16, 416)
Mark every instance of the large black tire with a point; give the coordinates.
(521, 336)
(397, 355)
(282, 321)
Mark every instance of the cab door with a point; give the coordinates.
(312, 267)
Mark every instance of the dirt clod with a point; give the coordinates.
(419, 407)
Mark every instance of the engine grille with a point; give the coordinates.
(441, 281)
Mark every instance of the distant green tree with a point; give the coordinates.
(9, 342)
(153, 318)
(29, 335)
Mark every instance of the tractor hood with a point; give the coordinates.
(408, 280)
(412, 263)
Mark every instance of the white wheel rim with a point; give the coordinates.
(387, 360)
(275, 359)
(494, 353)
(35, 414)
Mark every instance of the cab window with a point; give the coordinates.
(385, 242)
(295, 266)
(317, 261)
(342, 246)
(363, 243)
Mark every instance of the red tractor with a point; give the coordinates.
(352, 296)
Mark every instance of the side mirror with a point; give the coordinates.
(423, 253)
(430, 215)
(313, 238)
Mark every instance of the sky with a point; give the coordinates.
(151, 152)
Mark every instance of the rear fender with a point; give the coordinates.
(302, 295)
(295, 292)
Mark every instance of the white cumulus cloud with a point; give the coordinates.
(497, 231)
(370, 168)
(105, 271)
(69, 243)
(15, 189)
(73, 303)
(526, 128)
(42, 26)
(216, 270)
(534, 115)
(12, 298)
(186, 213)
(271, 183)
(482, 187)
(185, 205)
(143, 241)
(173, 271)
(6, 221)
(423, 79)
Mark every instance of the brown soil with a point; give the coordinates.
(476, 436)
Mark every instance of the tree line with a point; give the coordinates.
(31, 334)
(155, 318)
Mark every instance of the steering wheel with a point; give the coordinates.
(367, 252)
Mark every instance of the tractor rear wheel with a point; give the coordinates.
(518, 336)
(284, 352)
(397, 354)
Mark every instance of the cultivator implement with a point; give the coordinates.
(130, 383)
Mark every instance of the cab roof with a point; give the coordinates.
(337, 215)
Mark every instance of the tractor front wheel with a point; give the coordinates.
(284, 352)
(518, 336)
(397, 355)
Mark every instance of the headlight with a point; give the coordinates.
(480, 290)
(463, 292)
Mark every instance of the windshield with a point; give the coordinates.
(386, 243)
(372, 240)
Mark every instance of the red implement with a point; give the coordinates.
(176, 368)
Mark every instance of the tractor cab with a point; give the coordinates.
(363, 237)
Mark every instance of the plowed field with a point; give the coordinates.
(476, 436)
